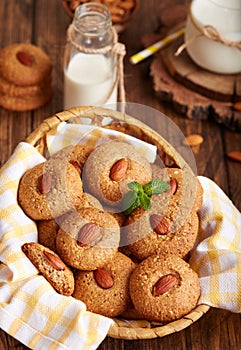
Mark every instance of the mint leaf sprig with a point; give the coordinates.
(139, 195)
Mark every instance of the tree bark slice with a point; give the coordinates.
(193, 91)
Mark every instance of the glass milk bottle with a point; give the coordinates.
(221, 18)
(89, 64)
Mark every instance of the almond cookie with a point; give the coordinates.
(24, 64)
(10, 89)
(79, 154)
(50, 189)
(170, 225)
(182, 182)
(47, 233)
(152, 235)
(118, 215)
(112, 166)
(51, 267)
(132, 314)
(106, 290)
(48, 229)
(164, 288)
(26, 103)
(88, 238)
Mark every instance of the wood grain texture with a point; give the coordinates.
(44, 23)
(220, 87)
(194, 92)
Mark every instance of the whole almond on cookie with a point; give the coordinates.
(24, 58)
(118, 170)
(51, 267)
(164, 284)
(159, 224)
(88, 234)
(173, 184)
(54, 260)
(103, 278)
(45, 183)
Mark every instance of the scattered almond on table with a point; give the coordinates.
(234, 155)
(193, 140)
(237, 106)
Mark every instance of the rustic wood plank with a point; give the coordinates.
(238, 87)
(189, 102)
(218, 329)
(220, 87)
(14, 15)
(18, 17)
(53, 43)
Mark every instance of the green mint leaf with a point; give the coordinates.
(130, 201)
(156, 186)
(145, 201)
(135, 186)
(140, 195)
(133, 206)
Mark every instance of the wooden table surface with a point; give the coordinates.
(44, 23)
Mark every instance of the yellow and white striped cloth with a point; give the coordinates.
(32, 312)
(30, 309)
(217, 258)
(68, 134)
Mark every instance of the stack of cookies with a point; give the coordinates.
(91, 247)
(25, 77)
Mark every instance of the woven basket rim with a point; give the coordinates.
(38, 135)
(37, 139)
(132, 333)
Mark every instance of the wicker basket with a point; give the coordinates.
(169, 156)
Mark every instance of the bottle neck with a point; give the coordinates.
(92, 24)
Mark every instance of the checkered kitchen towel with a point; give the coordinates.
(32, 312)
(217, 258)
(30, 309)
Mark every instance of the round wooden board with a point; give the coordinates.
(196, 92)
(220, 87)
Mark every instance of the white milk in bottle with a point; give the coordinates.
(88, 79)
(89, 73)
